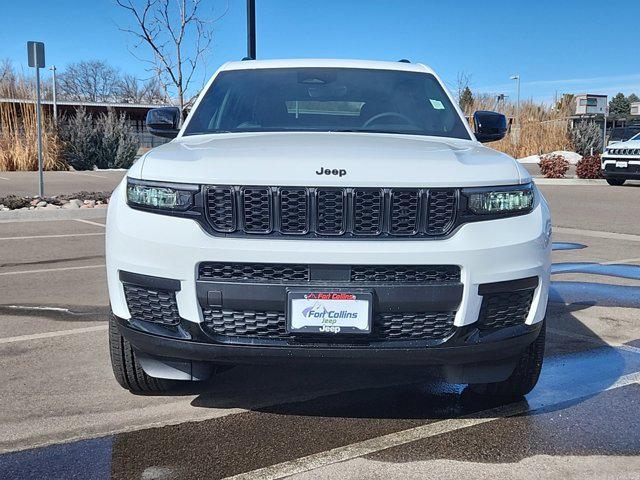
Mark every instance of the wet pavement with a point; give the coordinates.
(62, 416)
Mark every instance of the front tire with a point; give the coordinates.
(127, 369)
(524, 377)
(616, 182)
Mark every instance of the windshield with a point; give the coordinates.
(326, 99)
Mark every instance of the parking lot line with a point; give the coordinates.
(62, 235)
(59, 333)
(384, 442)
(89, 222)
(624, 260)
(598, 234)
(44, 270)
(90, 175)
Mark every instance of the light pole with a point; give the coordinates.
(517, 79)
(53, 92)
(251, 29)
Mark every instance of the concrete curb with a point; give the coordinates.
(59, 214)
(568, 181)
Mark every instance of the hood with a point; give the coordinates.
(627, 144)
(353, 159)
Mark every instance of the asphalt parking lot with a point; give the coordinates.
(62, 414)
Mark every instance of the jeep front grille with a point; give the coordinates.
(331, 212)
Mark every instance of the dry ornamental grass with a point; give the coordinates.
(19, 140)
(537, 129)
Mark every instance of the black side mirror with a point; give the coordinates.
(489, 126)
(164, 122)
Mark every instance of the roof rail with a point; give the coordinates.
(404, 60)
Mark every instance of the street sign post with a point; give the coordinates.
(35, 56)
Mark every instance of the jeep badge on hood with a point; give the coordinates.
(326, 171)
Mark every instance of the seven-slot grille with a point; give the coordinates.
(623, 151)
(331, 212)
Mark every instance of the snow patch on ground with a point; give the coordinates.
(572, 157)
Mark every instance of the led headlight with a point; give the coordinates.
(160, 195)
(500, 200)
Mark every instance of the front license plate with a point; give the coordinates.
(329, 312)
(622, 164)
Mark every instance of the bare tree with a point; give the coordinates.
(177, 38)
(463, 82)
(132, 90)
(89, 80)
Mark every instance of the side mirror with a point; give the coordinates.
(163, 122)
(489, 126)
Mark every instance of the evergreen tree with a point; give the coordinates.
(118, 145)
(619, 106)
(633, 98)
(586, 137)
(466, 100)
(80, 140)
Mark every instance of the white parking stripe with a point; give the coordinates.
(62, 235)
(594, 340)
(404, 437)
(89, 175)
(624, 260)
(89, 222)
(59, 333)
(44, 270)
(598, 234)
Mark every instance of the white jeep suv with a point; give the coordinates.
(621, 161)
(328, 211)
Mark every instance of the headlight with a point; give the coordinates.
(500, 200)
(160, 195)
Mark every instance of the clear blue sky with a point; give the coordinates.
(555, 45)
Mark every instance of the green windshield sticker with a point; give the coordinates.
(437, 104)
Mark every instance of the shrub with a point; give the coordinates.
(118, 146)
(589, 167)
(553, 165)
(110, 143)
(80, 140)
(586, 138)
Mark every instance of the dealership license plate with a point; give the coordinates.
(329, 312)
(622, 164)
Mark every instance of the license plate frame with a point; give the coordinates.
(302, 299)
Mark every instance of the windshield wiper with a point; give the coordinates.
(368, 130)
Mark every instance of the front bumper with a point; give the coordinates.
(489, 252)
(611, 170)
(469, 356)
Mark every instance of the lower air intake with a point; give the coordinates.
(151, 305)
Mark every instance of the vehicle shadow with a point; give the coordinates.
(573, 350)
